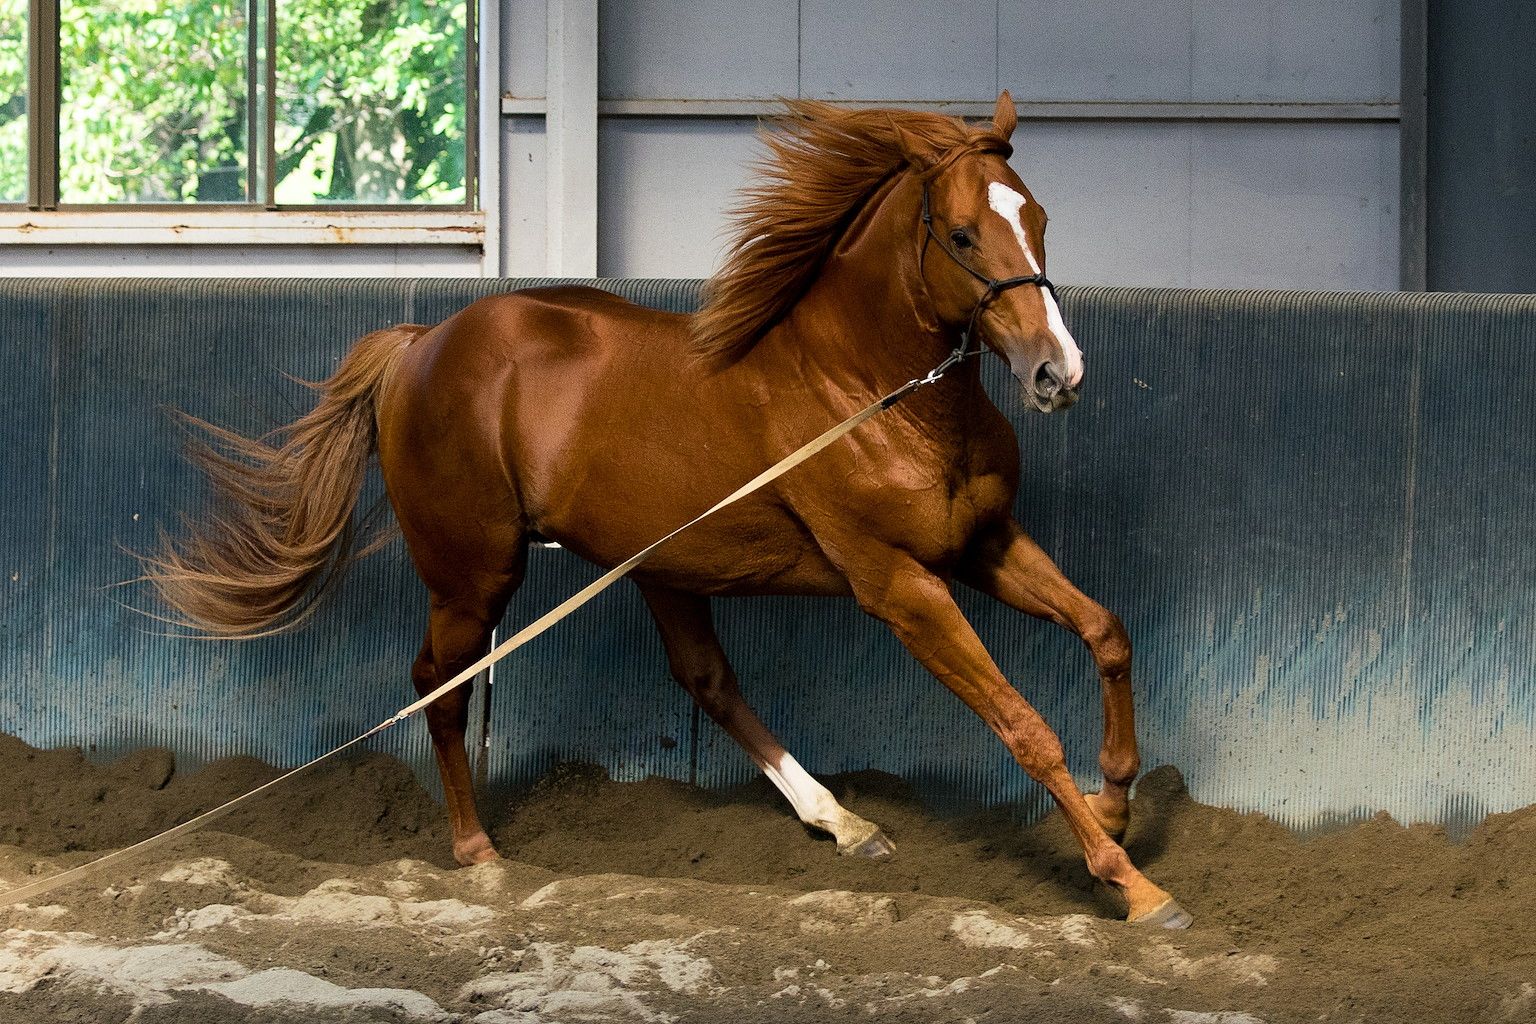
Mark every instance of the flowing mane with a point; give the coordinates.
(824, 162)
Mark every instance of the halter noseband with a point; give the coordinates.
(995, 286)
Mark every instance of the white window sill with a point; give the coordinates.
(241, 227)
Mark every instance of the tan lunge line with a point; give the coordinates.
(506, 647)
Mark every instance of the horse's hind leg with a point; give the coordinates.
(699, 663)
(1011, 567)
(466, 606)
(454, 640)
(464, 529)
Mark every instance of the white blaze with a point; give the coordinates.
(1007, 203)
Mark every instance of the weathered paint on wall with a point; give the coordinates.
(1309, 508)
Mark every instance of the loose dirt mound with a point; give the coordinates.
(332, 900)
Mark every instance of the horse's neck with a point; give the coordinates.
(864, 327)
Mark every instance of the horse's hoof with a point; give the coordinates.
(875, 847)
(1167, 914)
(477, 849)
(1111, 819)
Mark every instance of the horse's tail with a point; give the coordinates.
(284, 522)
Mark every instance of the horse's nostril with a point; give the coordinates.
(1048, 380)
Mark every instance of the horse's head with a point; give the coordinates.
(983, 259)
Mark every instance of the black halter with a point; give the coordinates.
(995, 286)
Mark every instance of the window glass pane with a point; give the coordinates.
(152, 101)
(13, 101)
(371, 101)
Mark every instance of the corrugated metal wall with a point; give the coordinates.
(1312, 510)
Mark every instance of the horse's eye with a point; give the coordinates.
(960, 238)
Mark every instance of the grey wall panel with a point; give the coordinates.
(868, 49)
(1118, 196)
(1307, 509)
(1098, 50)
(1317, 50)
(1286, 205)
(677, 49)
(1291, 205)
(524, 203)
(1144, 203)
(664, 185)
(1481, 148)
(1298, 205)
(524, 45)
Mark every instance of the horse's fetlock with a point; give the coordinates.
(1109, 863)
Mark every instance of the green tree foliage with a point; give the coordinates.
(13, 101)
(371, 100)
(153, 101)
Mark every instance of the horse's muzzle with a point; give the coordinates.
(1048, 390)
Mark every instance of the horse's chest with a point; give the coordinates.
(931, 509)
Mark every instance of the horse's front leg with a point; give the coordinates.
(919, 608)
(1005, 563)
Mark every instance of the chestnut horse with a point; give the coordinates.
(876, 240)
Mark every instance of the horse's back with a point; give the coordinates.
(538, 335)
(586, 416)
(564, 321)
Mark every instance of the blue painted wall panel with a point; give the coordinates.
(1310, 509)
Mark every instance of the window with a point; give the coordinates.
(13, 101)
(265, 103)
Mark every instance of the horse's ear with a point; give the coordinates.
(919, 153)
(1005, 118)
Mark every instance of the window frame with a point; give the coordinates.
(41, 218)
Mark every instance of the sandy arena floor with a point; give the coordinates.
(332, 901)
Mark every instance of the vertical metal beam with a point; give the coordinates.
(484, 684)
(269, 104)
(43, 104)
(255, 109)
(485, 91)
(571, 138)
(1413, 140)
